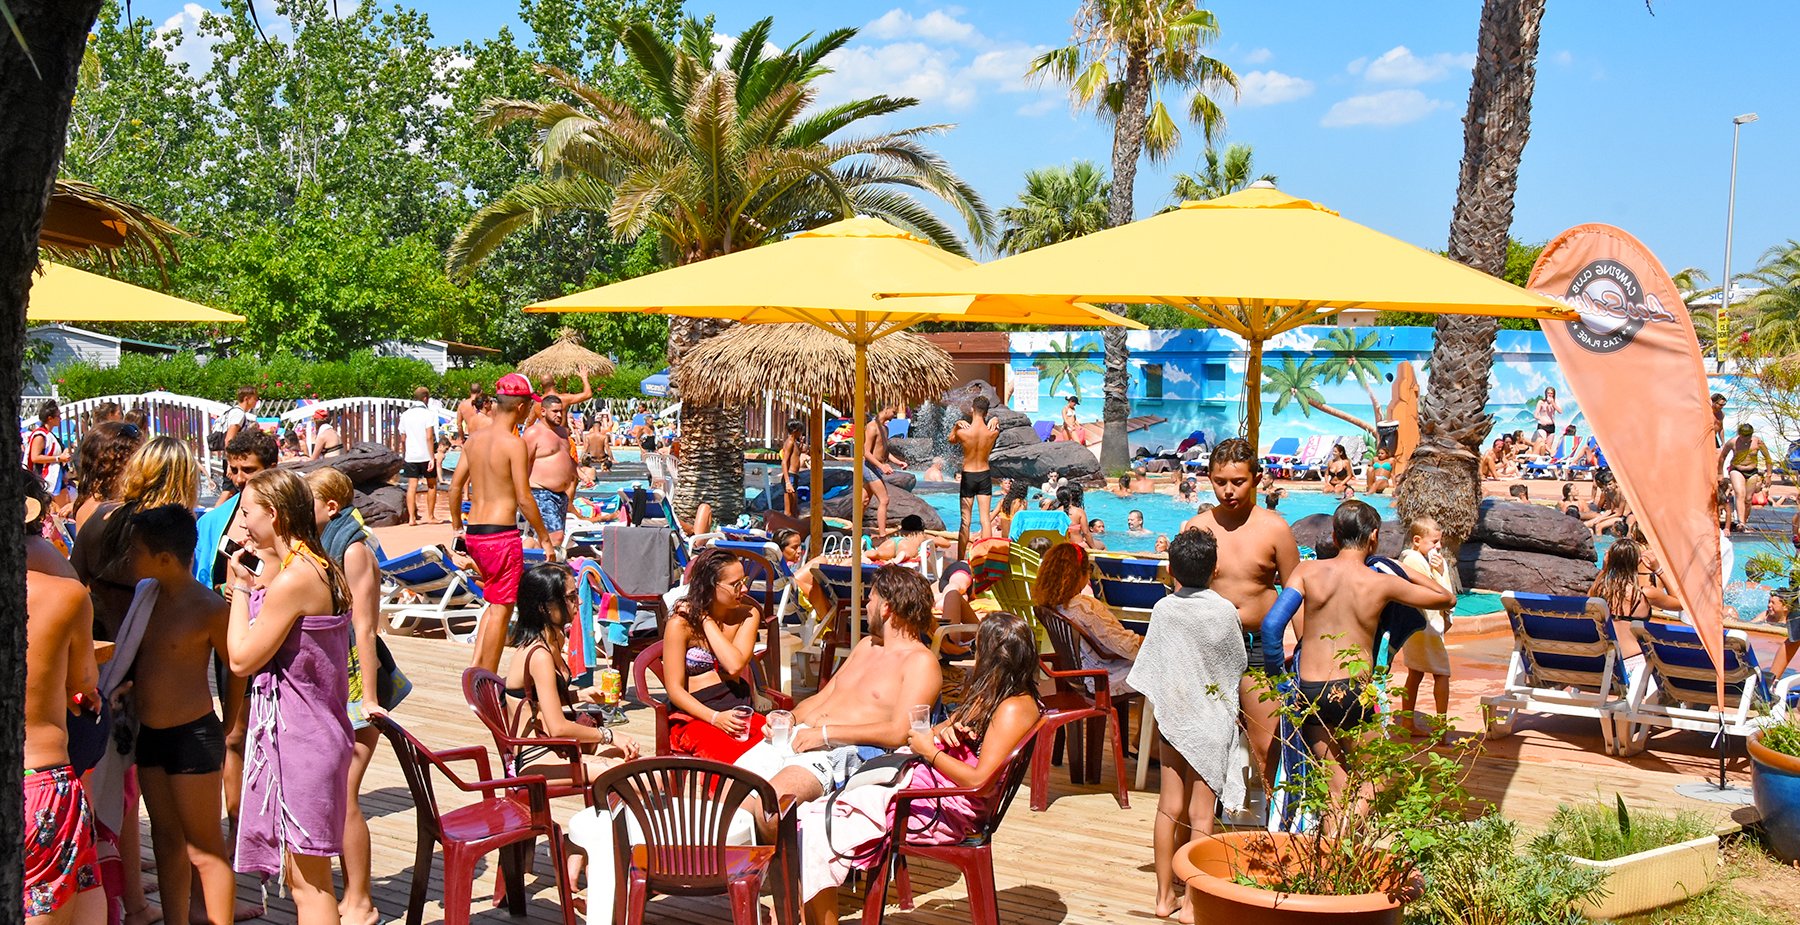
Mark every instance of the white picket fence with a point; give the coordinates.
(166, 414)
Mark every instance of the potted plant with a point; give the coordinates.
(1479, 874)
(1775, 784)
(1648, 862)
(1355, 856)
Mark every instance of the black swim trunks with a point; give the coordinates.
(1253, 646)
(1334, 704)
(976, 484)
(951, 570)
(197, 747)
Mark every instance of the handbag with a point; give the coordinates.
(391, 684)
(892, 771)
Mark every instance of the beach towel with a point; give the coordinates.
(1189, 668)
(1054, 521)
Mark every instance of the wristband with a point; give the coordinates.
(825, 734)
(244, 588)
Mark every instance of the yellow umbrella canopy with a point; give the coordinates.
(1256, 263)
(748, 362)
(828, 277)
(566, 358)
(64, 293)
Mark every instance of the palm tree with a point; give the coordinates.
(1442, 480)
(717, 159)
(1125, 54)
(1353, 357)
(1293, 382)
(1065, 363)
(1221, 174)
(1058, 204)
(1775, 309)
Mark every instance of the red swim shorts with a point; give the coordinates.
(60, 858)
(501, 559)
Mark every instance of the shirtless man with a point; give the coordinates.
(1256, 552)
(181, 745)
(62, 867)
(1072, 427)
(878, 463)
(552, 468)
(596, 446)
(569, 399)
(976, 436)
(792, 449)
(469, 417)
(496, 467)
(1344, 599)
(865, 708)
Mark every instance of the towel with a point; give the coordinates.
(1189, 668)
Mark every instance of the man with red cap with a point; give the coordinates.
(497, 468)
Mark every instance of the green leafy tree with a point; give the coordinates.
(1353, 356)
(716, 160)
(1774, 311)
(1065, 364)
(1126, 56)
(1058, 204)
(1220, 173)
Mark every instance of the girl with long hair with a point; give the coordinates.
(290, 635)
(160, 472)
(999, 709)
(100, 461)
(1629, 597)
(549, 600)
(1338, 472)
(708, 643)
(1062, 592)
(1011, 503)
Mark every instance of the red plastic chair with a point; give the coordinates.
(684, 807)
(514, 812)
(1072, 703)
(648, 665)
(486, 694)
(974, 856)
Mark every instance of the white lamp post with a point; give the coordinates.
(1719, 321)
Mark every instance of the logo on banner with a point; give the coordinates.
(1613, 307)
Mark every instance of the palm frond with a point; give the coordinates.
(522, 205)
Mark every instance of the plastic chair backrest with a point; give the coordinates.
(486, 694)
(1065, 642)
(1283, 447)
(1127, 568)
(415, 762)
(1564, 639)
(1026, 536)
(648, 664)
(684, 808)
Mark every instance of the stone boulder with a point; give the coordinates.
(1034, 463)
(1497, 569)
(363, 463)
(1534, 528)
(835, 477)
(1314, 530)
(382, 505)
(918, 451)
(900, 503)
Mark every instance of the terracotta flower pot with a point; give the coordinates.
(1775, 788)
(1209, 866)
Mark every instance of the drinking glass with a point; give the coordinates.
(744, 713)
(921, 717)
(781, 729)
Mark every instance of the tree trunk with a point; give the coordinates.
(712, 437)
(1128, 145)
(1344, 416)
(36, 104)
(1442, 479)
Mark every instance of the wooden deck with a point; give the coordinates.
(1084, 860)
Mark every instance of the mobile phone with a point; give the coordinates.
(250, 562)
(457, 545)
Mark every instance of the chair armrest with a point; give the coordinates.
(1102, 681)
(779, 699)
(473, 753)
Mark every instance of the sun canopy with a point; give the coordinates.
(750, 361)
(64, 293)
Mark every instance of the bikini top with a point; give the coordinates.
(700, 661)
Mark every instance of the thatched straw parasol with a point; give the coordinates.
(566, 358)
(804, 363)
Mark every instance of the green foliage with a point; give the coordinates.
(1219, 173)
(1475, 875)
(1599, 832)
(1783, 737)
(279, 378)
(1520, 257)
(1058, 204)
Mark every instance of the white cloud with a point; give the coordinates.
(899, 69)
(1398, 65)
(936, 26)
(195, 50)
(1565, 57)
(1004, 67)
(1389, 107)
(1258, 56)
(1045, 104)
(1266, 88)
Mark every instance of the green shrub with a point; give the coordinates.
(1601, 833)
(1783, 737)
(1475, 875)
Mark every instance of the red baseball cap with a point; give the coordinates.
(320, 414)
(514, 384)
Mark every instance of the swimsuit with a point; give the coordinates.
(553, 506)
(1335, 704)
(499, 552)
(870, 473)
(60, 856)
(194, 747)
(976, 484)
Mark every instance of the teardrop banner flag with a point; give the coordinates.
(1634, 365)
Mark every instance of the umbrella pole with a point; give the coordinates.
(859, 435)
(816, 473)
(1253, 393)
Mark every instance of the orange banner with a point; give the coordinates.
(1634, 365)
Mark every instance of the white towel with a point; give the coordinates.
(1189, 668)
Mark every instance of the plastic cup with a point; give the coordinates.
(743, 713)
(921, 717)
(781, 729)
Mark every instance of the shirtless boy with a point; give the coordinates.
(469, 418)
(181, 745)
(552, 468)
(1257, 552)
(62, 868)
(792, 448)
(1344, 599)
(865, 708)
(496, 467)
(596, 447)
(878, 463)
(976, 436)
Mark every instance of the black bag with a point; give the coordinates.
(880, 771)
(391, 684)
(215, 441)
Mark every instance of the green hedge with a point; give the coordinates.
(287, 378)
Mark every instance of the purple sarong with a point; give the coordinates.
(297, 755)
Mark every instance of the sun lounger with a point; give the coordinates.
(1565, 661)
(1313, 457)
(1678, 688)
(1554, 465)
(1356, 447)
(1279, 460)
(426, 585)
(1135, 597)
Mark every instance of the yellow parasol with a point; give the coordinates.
(1256, 263)
(66, 294)
(827, 278)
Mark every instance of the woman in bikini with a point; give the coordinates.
(326, 441)
(1630, 597)
(1381, 472)
(708, 643)
(1338, 472)
(539, 675)
(910, 547)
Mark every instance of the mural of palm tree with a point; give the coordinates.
(1298, 382)
(1066, 363)
(1354, 357)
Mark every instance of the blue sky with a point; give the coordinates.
(1359, 105)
